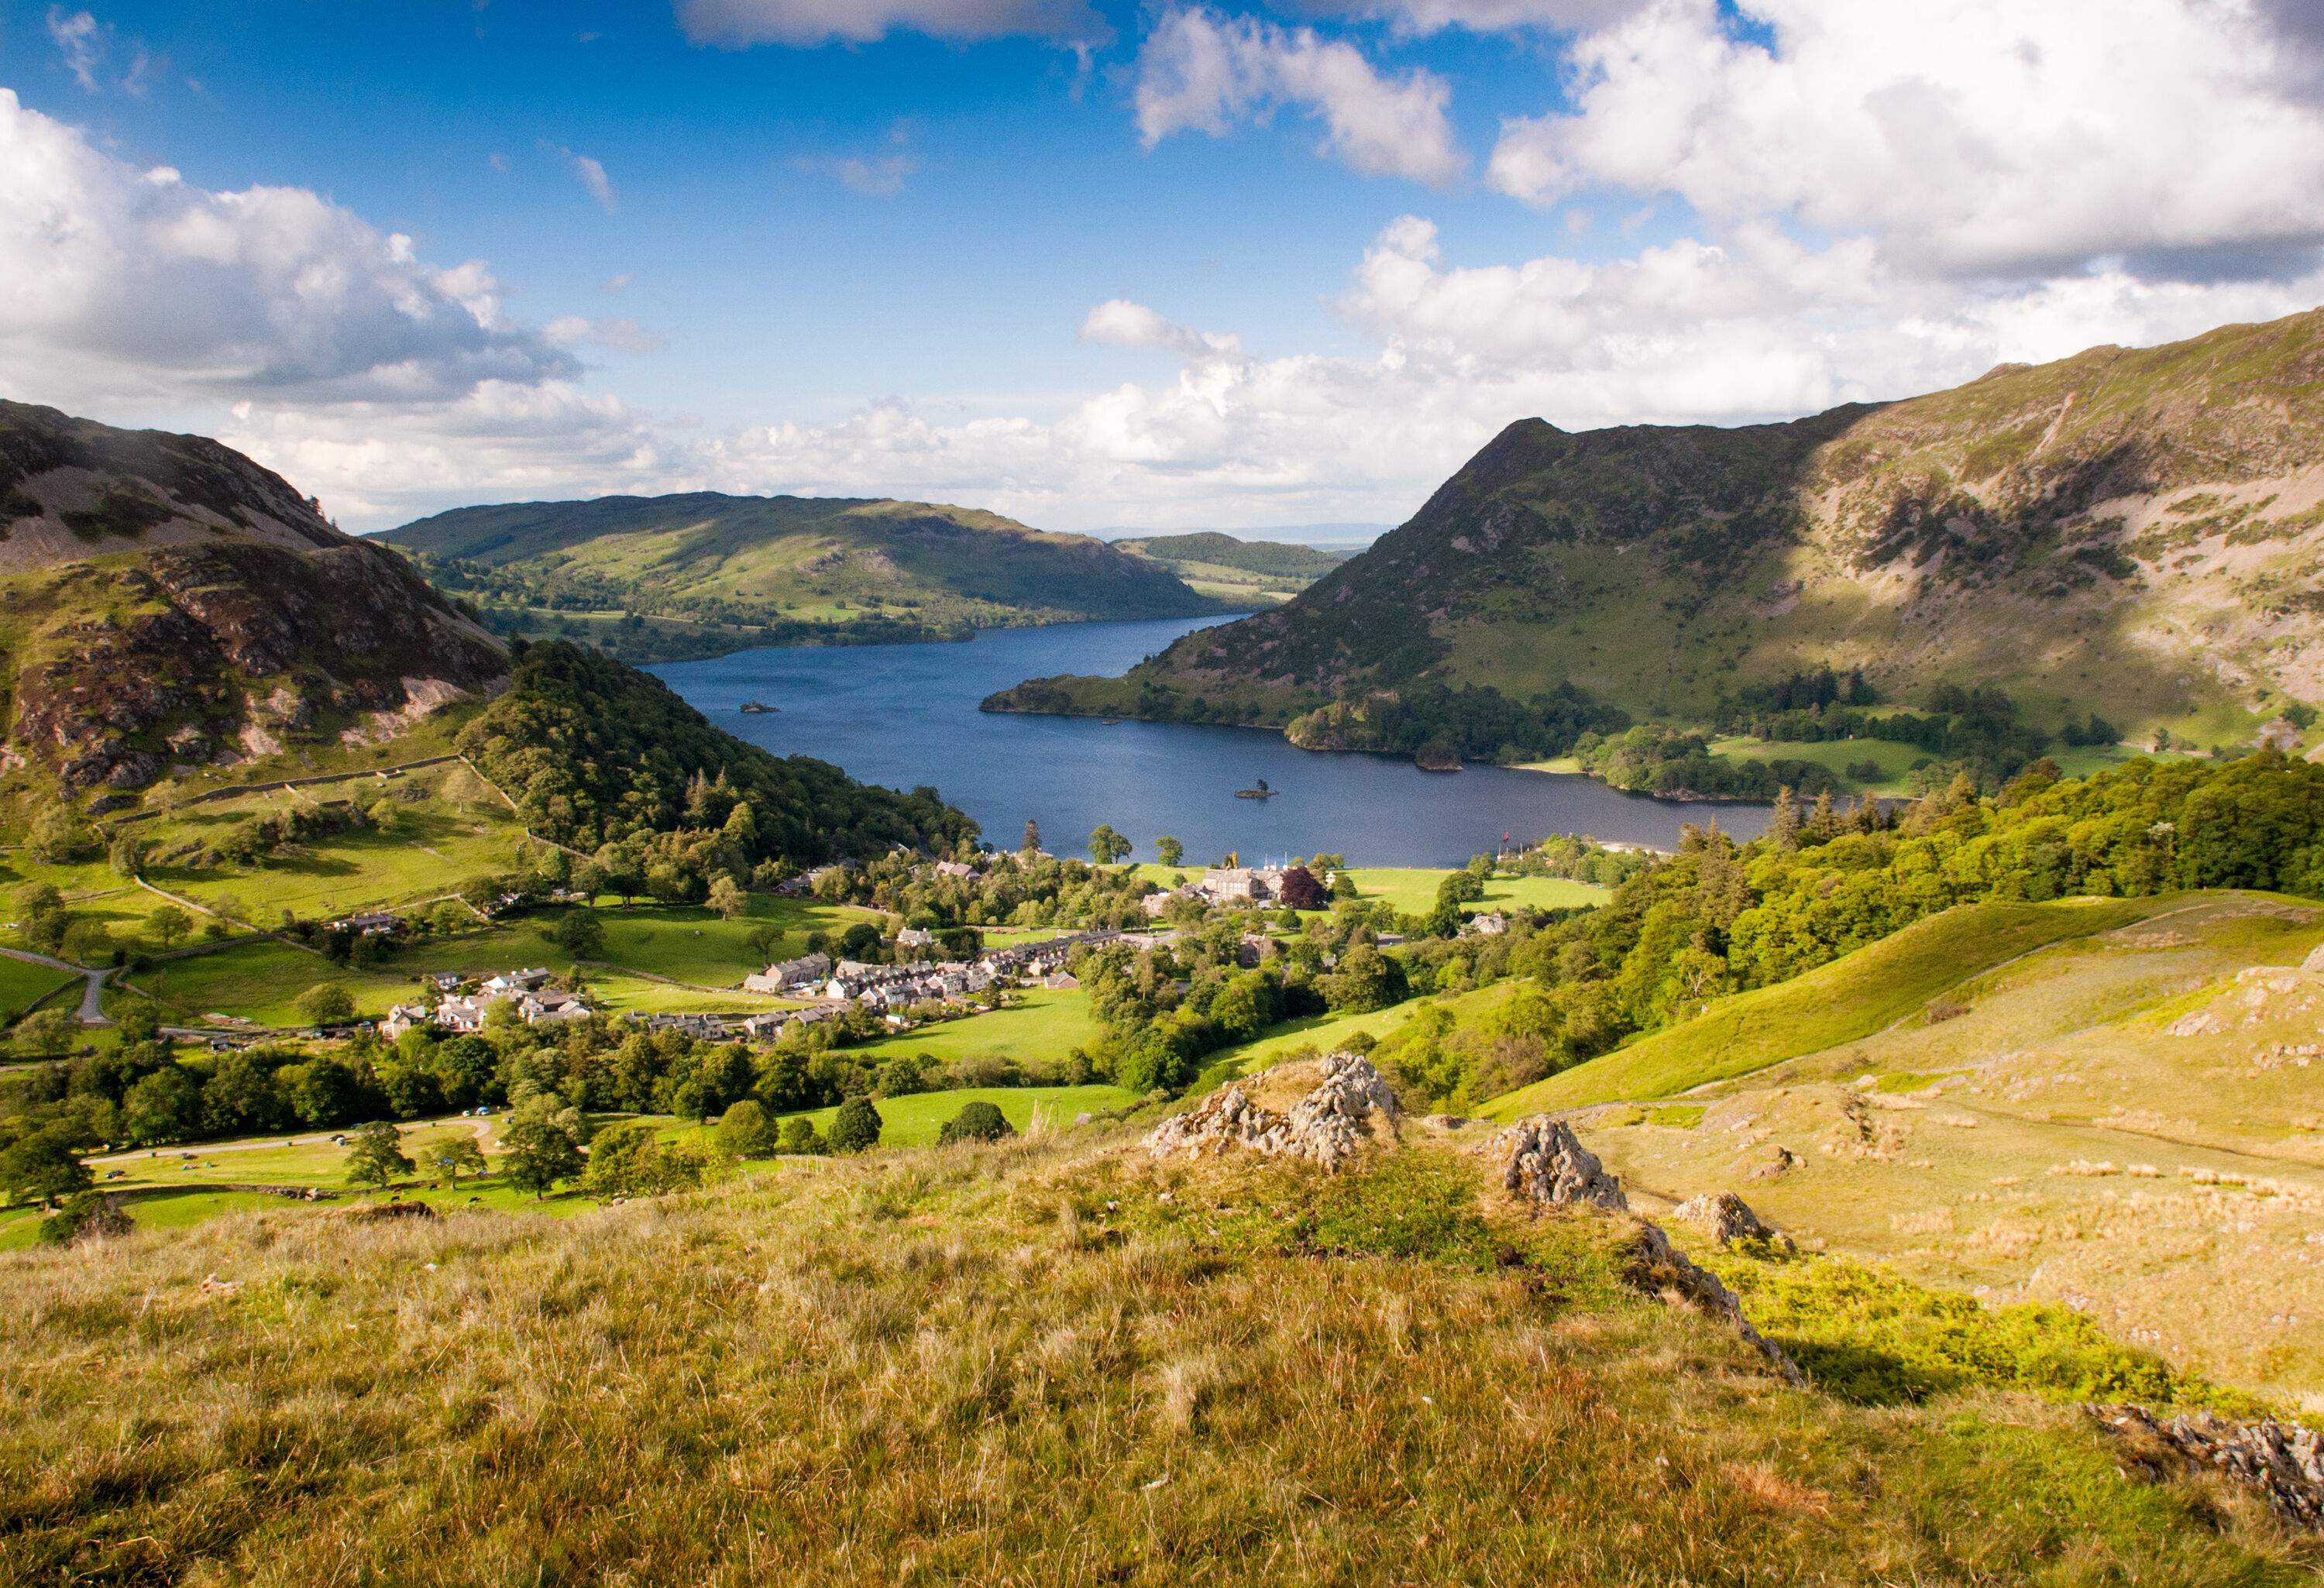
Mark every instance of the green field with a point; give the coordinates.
(1834, 755)
(1044, 1026)
(23, 985)
(1413, 890)
(1845, 1000)
(915, 1119)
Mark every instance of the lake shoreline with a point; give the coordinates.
(910, 716)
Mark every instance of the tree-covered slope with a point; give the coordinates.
(788, 567)
(2139, 534)
(594, 752)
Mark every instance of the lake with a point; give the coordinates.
(905, 715)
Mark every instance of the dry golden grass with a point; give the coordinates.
(1044, 1362)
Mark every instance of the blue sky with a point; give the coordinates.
(1356, 238)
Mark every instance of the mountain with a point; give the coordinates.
(173, 614)
(717, 573)
(2134, 532)
(165, 602)
(1252, 572)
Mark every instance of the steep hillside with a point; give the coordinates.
(2139, 533)
(1230, 568)
(744, 570)
(166, 603)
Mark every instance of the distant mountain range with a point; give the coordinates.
(659, 576)
(1329, 536)
(2136, 533)
(1248, 572)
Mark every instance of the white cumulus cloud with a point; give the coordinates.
(1974, 135)
(1200, 71)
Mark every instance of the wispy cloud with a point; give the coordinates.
(736, 25)
(82, 41)
(591, 174)
(881, 175)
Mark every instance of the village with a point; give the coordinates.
(900, 992)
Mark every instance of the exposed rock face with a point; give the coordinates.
(2285, 1464)
(1349, 1106)
(226, 608)
(1726, 1218)
(1548, 1166)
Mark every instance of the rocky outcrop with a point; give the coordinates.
(2285, 1464)
(1349, 1107)
(1726, 1218)
(1657, 1265)
(1546, 1164)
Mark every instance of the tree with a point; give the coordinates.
(127, 854)
(1365, 980)
(1032, 836)
(1300, 890)
(855, 1127)
(168, 926)
(1169, 851)
(542, 1140)
(1784, 825)
(165, 1106)
(1106, 846)
(743, 1130)
(326, 1004)
(47, 1033)
(976, 1121)
(580, 933)
(458, 1156)
(56, 838)
(800, 1136)
(44, 1165)
(376, 1156)
(727, 897)
(87, 941)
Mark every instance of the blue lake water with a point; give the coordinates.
(905, 715)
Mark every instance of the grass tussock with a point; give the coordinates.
(1038, 1362)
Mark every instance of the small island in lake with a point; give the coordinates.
(1260, 791)
(756, 707)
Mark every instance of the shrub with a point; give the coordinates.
(743, 1130)
(800, 1136)
(855, 1127)
(86, 1216)
(977, 1122)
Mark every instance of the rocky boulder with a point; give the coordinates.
(1544, 1163)
(1325, 1113)
(1726, 1218)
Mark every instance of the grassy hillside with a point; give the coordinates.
(2139, 533)
(1852, 997)
(1246, 572)
(1047, 1363)
(2124, 1122)
(698, 574)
